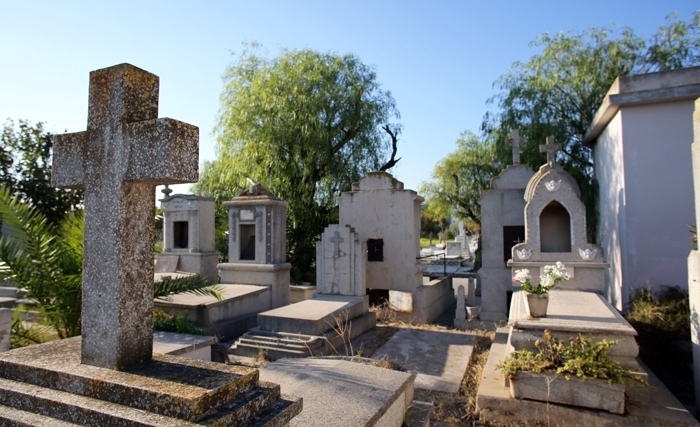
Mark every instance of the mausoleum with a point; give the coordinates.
(188, 236)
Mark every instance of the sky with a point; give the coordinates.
(439, 59)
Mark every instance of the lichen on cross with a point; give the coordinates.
(551, 149)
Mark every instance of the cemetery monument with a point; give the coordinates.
(502, 227)
(110, 375)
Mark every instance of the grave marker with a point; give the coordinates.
(124, 153)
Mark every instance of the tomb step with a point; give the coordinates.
(12, 417)
(266, 403)
(57, 366)
(271, 353)
(6, 302)
(313, 342)
(285, 346)
(35, 405)
(76, 409)
(8, 292)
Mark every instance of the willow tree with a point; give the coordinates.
(457, 180)
(306, 125)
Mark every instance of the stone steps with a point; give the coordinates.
(6, 302)
(48, 380)
(9, 292)
(11, 417)
(278, 345)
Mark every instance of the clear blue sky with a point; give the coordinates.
(438, 58)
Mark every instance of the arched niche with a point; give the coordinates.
(555, 228)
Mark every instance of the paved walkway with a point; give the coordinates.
(440, 358)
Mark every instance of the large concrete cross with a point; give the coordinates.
(125, 152)
(515, 142)
(550, 148)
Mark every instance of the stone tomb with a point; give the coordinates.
(257, 247)
(255, 279)
(110, 376)
(188, 236)
(336, 314)
(571, 313)
(555, 229)
(502, 227)
(386, 217)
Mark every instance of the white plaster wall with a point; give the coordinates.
(658, 180)
(394, 216)
(609, 163)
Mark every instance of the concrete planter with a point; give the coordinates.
(554, 388)
(537, 304)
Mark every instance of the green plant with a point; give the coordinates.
(194, 284)
(181, 324)
(580, 357)
(550, 277)
(23, 334)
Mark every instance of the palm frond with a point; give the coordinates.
(195, 284)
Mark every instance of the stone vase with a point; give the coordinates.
(537, 304)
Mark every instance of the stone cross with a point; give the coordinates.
(515, 142)
(125, 152)
(337, 240)
(550, 148)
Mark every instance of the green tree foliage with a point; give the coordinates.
(457, 180)
(25, 168)
(306, 125)
(558, 91)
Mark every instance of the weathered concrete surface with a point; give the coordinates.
(494, 402)
(185, 345)
(439, 358)
(343, 393)
(5, 326)
(125, 152)
(313, 316)
(553, 388)
(49, 380)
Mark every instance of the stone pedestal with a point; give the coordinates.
(46, 385)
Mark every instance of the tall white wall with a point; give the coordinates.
(659, 176)
(644, 171)
(609, 162)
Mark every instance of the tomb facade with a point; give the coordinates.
(258, 243)
(555, 229)
(188, 236)
(386, 217)
(502, 227)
